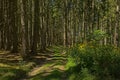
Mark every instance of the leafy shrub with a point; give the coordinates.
(85, 75)
(98, 35)
(101, 61)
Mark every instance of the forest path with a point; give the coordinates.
(53, 66)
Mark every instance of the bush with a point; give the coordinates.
(84, 74)
(101, 61)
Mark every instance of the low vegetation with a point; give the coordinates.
(94, 62)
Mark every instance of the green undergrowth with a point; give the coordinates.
(15, 72)
(57, 49)
(93, 62)
(11, 73)
(53, 69)
(53, 75)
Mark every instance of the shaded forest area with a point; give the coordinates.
(85, 34)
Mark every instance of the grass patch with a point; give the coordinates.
(51, 68)
(16, 72)
(11, 73)
(54, 75)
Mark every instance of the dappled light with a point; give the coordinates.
(59, 39)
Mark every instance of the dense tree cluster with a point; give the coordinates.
(31, 25)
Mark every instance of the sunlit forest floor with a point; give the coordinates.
(44, 66)
(81, 62)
